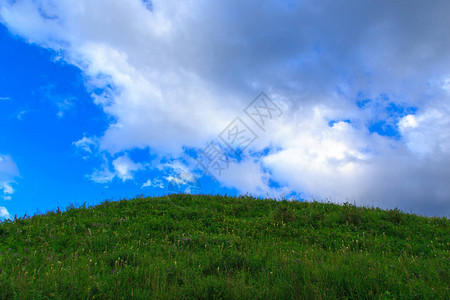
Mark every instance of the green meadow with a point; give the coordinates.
(218, 247)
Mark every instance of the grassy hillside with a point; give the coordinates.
(222, 247)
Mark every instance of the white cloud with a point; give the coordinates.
(8, 171)
(177, 171)
(156, 183)
(124, 167)
(178, 176)
(8, 168)
(63, 103)
(6, 187)
(175, 75)
(148, 183)
(4, 213)
(87, 144)
(428, 131)
(252, 179)
(63, 106)
(102, 176)
(409, 121)
(21, 114)
(175, 180)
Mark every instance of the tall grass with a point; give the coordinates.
(210, 247)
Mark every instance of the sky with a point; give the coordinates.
(341, 101)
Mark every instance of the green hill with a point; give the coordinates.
(210, 247)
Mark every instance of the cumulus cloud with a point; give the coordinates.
(103, 175)
(178, 177)
(7, 188)
(63, 103)
(125, 167)
(88, 145)
(4, 213)
(156, 183)
(427, 132)
(8, 171)
(252, 178)
(8, 168)
(173, 74)
(146, 184)
(177, 173)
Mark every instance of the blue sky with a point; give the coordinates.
(46, 110)
(335, 102)
(52, 173)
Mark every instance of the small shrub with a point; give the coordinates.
(351, 215)
(394, 215)
(284, 214)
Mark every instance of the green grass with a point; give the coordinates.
(208, 247)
